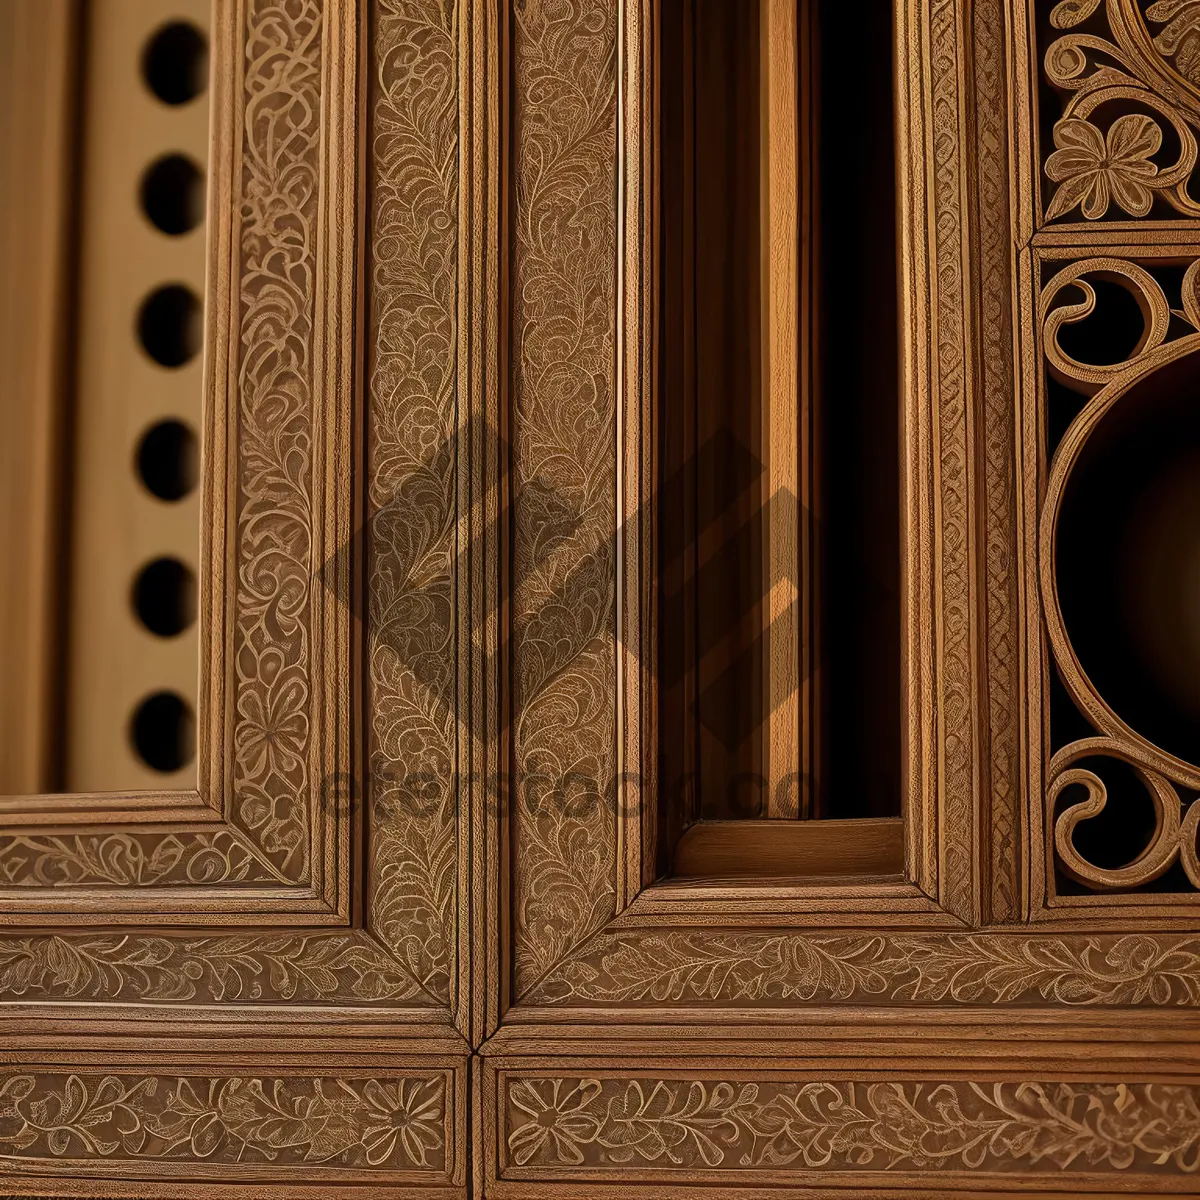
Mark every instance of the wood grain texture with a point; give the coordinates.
(37, 54)
(786, 403)
(788, 849)
(766, 1039)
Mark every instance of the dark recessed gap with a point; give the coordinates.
(1110, 333)
(163, 731)
(170, 326)
(1128, 558)
(175, 63)
(172, 194)
(168, 460)
(164, 597)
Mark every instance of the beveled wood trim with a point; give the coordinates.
(39, 100)
(793, 850)
(279, 310)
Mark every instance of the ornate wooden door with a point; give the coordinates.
(428, 925)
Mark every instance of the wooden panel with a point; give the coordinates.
(116, 525)
(37, 109)
(794, 850)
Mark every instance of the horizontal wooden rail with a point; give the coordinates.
(774, 849)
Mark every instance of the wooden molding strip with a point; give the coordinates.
(770, 849)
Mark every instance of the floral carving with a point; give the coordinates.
(751, 1125)
(697, 967)
(338, 967)
(397, 1123)
(412, 480)
(134, 859)
(271, 641)
(1094, 168)
(564, 459)
(1179, 39)
(1097, 165)
(558, 1123)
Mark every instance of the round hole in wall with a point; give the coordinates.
(164, 732)
(173, 194)
(175, 63)
(169, 325)
(164, 596)
(168, 460)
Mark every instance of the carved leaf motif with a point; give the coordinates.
(346, 967)
(412, 481)
(564, 429)
(271, 640)
(1072, 12)
(1101, 160)
(690, 967)
(397, 1123)
(953, 1125)
(135, 860)
(1179, 40)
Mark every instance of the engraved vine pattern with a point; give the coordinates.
(346, 967)
(413, 475)
(132, 859)
(1106, 157)
(933, 1126)
(397, 1123)
(719, 967)
(564, 452)
(271, 640)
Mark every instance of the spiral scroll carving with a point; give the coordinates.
(1107, 157)
(1176, 820)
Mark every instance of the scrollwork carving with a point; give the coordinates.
(412, 480)
(334, 967)
(564, 456)
(1174, 834)
(698, 967)
(393, 1122)
(1173, 838)
(270, 651)
(1088, 378)
(133, 859)
(753, 1125)
(1150, 62)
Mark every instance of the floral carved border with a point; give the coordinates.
(558, 1126)
(276, 524)
(275, 190)
(412, 470)
(564, 262)
(294, 1124)
(704, 967)
(295, 968)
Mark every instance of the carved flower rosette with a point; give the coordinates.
(1128, 74)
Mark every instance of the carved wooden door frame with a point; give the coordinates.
(405, 939)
